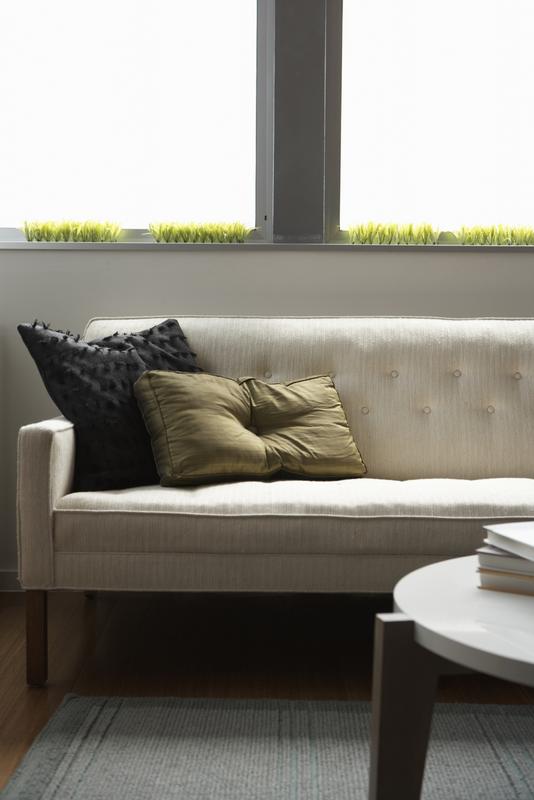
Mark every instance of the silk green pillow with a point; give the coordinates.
(204, 427)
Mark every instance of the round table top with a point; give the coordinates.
(488, 631)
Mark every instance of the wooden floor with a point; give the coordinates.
(203, 646)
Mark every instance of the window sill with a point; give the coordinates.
(261, 245)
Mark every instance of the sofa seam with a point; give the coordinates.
(297, 317)
(129, 553)
(268, 515)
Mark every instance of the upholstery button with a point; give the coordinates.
(267, 374)
(517, 376)
(394, 373)
(427, 410)
(491, 410)
(457, 373)
(365, 410)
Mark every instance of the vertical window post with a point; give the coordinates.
(306, 108)
(265, 117)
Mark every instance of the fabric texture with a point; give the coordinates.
(45, 473)
(91, 384)
(424, 398)
(365, 515)
(303, 422)
(359, 535)
(234, 572)
(206, 427)
(195, 749)
(163, 346)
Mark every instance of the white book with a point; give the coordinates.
(490, 557)
(514, 537)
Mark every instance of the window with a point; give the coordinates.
(437, 112)
(129, 111)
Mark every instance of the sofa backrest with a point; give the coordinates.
(450, 398)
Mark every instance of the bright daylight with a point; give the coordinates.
(143, 113)
(437, 115)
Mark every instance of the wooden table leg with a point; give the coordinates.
(36, 637)
(405, 677)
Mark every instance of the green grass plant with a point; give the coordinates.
(72, 231)
(500, 235)
(206, 232)
(391, 233)
(372, 233)
(418, 234)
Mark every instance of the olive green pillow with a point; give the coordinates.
(204, 427)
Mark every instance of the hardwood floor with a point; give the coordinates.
(315, 647)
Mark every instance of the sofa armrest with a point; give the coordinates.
(44, 474)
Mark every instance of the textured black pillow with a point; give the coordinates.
(163, 346)
(91, 384)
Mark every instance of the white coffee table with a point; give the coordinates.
(443, 624)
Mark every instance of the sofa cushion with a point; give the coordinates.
(440, 518)
(424, 398)
(91, 384)
(162, 346)
(304, 423)
(206, 427)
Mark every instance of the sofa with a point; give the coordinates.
(442, 411)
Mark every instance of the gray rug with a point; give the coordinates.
(141, 748)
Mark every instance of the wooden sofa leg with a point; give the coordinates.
(36, 637)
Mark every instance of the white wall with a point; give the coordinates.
(66, 288)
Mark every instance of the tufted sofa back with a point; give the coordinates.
(449, 398)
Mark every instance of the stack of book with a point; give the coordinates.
(506, 561)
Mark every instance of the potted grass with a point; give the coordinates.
(372, 233)
(199, 233)
(72, 231)
(496, 235)
(380, 233)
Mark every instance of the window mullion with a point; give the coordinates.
(307, 119)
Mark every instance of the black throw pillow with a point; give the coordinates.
(163, 346)
(91, 384)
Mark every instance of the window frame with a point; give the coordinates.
(298, 87)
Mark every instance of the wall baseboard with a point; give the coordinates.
(9, 581)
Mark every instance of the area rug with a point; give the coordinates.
(197, 749)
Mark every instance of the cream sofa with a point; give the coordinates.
(442, 411)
